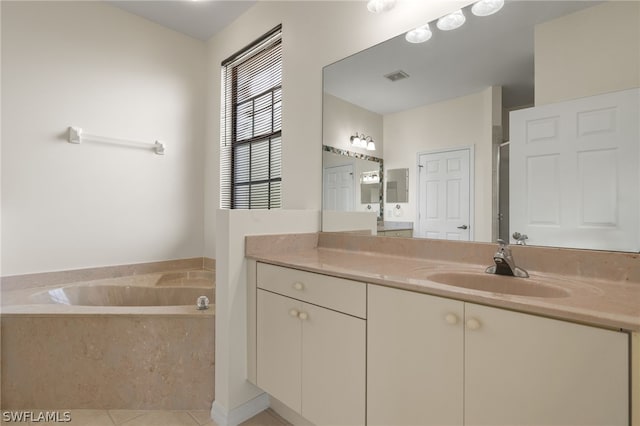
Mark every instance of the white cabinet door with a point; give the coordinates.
(312, 359)
(414, 356)
(333, 367)
(278, 347)
(526, 370)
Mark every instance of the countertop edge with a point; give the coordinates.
(523, 304)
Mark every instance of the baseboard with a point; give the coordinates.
(244, 412)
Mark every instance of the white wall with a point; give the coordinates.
(94, 66)
(315, 34)
(455, 123)
(232, 388)
(590, 52)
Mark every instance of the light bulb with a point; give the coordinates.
(451, 21)
(419, 35)
(371, 146)
(379, 6)
(486, 7)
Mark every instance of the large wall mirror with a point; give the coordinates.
(523, 122)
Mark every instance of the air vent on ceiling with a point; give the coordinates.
(397, 75)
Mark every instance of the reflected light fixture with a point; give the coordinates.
(379, 6)
(362, 141)
(486, 7)
(451, 21)
(371, 146)
(419, 35)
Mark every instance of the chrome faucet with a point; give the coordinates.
(504, 263)
(521, 239)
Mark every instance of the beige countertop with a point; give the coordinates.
(594, 300)
(395, 226)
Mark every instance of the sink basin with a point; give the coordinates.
(499, 284)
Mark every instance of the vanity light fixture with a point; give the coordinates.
(371, 146)
(419, 35)
(486, 7)
(362, 141)
(379, 6)
(356, 141)
(451, 21)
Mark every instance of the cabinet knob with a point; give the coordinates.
(294, 312)
(298, 286)
(473, 324)
(303, 316)
(451, 318)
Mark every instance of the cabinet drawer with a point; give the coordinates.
(338, 294)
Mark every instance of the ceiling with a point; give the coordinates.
(199, 19)
(496, 50)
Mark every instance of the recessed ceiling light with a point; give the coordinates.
(486, 7)
(419, 35)
(451, 21)
(378, 6)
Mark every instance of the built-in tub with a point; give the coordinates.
(134, 342)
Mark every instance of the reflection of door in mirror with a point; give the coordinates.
(444, 194)
(503, 192)
(338, 188)
(574, 172)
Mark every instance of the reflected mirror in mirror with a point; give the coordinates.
(397, 186)
(351, 181)
(553, 86)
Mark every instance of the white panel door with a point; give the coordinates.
(444, 195)
(574, 172)
(339, 188)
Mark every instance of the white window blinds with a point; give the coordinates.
(251, 135)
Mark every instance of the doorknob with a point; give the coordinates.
(463, 227)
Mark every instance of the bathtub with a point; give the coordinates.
(133, 342)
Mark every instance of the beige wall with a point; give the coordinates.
(456, 123)
(340, 121)
(91, 65)
(593, 51)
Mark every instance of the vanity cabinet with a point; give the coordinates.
(435, 361)
(408, 233)
(311, 343)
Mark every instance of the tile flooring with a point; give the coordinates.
(147, 418)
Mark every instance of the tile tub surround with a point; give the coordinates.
(43, 279)
(109, 357)
(604, 287)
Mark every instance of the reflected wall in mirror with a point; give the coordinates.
(351, 181)
(397, 186)
(550, 87)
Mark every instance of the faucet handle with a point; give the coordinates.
(501, 242)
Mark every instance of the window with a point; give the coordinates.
(251, 139)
